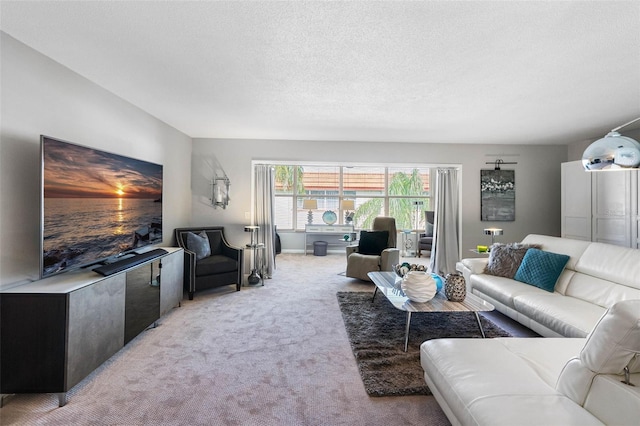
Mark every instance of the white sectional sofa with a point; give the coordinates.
(595, 277)
(541, 381)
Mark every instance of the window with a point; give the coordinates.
(400, 192)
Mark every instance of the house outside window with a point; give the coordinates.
(401, 192)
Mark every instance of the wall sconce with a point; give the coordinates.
(347, 206)
(220, 192)
(310, 205)
(498, 162)
(493, 232)
(612, 152)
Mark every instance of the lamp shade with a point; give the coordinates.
(492, 231)
(310, 204)
(612, 152)
(347, 205)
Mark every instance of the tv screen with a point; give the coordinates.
(95, 205)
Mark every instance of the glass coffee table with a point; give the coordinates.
(389, 284)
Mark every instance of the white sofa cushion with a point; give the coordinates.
(610, 347)
(615, 340)
(502, 381)
(568, 316)
(504, 290)
(573, 248)
(598, 291)
(611, 263)
(607, 391)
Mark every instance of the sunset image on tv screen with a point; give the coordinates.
(96, 205)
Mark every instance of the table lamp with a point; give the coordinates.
(347, 206)
(493, 232)
(310, 205)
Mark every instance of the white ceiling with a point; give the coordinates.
(538, 72)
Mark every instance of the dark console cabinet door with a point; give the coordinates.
(142, 302)
(33, 330)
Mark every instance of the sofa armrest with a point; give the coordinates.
(471, 266)
(388, 258)
(190, 270)
(351, 249)
(475, 265)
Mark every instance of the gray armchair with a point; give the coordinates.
(362, 258)
(218, 266)
(425, 240)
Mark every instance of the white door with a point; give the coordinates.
(612, 209)
(576, 201)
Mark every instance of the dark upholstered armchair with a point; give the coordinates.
(209, 262)
(425, 240)
(373, 253)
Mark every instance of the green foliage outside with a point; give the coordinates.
(401, 184)
(401, 209)
(285, 175)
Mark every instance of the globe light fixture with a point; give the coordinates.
(613, 152)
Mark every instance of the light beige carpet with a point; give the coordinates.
(272, 355)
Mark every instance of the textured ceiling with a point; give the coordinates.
(438, 71)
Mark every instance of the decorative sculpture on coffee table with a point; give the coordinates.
(419, 286)
(455, 288)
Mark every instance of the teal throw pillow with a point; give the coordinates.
(541, 268)
(373, 242)
(199, 244)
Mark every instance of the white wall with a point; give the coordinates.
(537, 179)
(39, 96)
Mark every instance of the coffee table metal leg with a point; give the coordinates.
(480, 325)
(406, 332)
(374, 294)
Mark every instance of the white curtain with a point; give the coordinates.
(264, 214)
(445, 252)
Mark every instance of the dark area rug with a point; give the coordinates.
(376, 332)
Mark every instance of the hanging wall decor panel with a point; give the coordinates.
(498, 195)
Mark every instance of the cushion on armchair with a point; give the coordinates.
(199, 244)
(373, 242)
(428, 230)
(215, 264)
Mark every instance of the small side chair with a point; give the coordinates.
(209, 260)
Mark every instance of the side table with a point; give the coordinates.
(409, 243)
(256, 277)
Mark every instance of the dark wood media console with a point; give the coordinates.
(56, 331)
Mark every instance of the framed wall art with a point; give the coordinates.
(498, 195)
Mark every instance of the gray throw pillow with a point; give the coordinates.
(429, 230)
(199, 244)
(505, 259)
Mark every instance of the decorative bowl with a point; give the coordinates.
(329, 217)
(402, 269)
(419, 286)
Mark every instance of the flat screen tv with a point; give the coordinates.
(95, 205)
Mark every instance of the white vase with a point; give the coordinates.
(419, 286)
